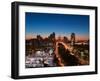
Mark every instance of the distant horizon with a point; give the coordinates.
(56, 37)
(62, 24)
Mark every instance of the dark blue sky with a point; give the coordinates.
(61, 24)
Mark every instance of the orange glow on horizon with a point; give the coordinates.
(78, 37)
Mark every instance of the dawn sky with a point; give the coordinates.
(62, 24)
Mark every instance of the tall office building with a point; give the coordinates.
(73, 39)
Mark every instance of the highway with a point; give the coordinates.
(61, 63)
(71, 59)
(58, 56)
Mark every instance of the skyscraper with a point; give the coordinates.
(73, 39)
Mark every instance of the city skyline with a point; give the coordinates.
(62, 24)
